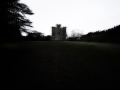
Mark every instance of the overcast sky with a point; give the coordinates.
(82, 16)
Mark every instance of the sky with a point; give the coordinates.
(81, 16)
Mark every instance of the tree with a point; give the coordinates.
(111, 35)
(13, 20)
(75, 36)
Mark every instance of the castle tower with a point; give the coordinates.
(58, 32)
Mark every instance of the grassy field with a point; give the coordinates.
(61, 64)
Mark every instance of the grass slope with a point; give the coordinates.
(60, 65)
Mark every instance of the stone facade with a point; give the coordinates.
(58, 32)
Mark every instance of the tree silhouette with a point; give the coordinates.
(111, 35)
(13, 20)
(75, 36)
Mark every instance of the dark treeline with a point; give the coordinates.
(36, 36)
(111, 35)
(73, 38)
(13, 20)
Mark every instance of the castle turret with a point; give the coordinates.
(58, 25)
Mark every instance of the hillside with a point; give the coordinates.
(61, 65)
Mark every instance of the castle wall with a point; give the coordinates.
(58, 33)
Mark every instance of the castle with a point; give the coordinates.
(58, 32)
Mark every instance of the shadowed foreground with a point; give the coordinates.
(60, 65)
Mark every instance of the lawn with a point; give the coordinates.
(61, 64)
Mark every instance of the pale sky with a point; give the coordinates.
(82, 16)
